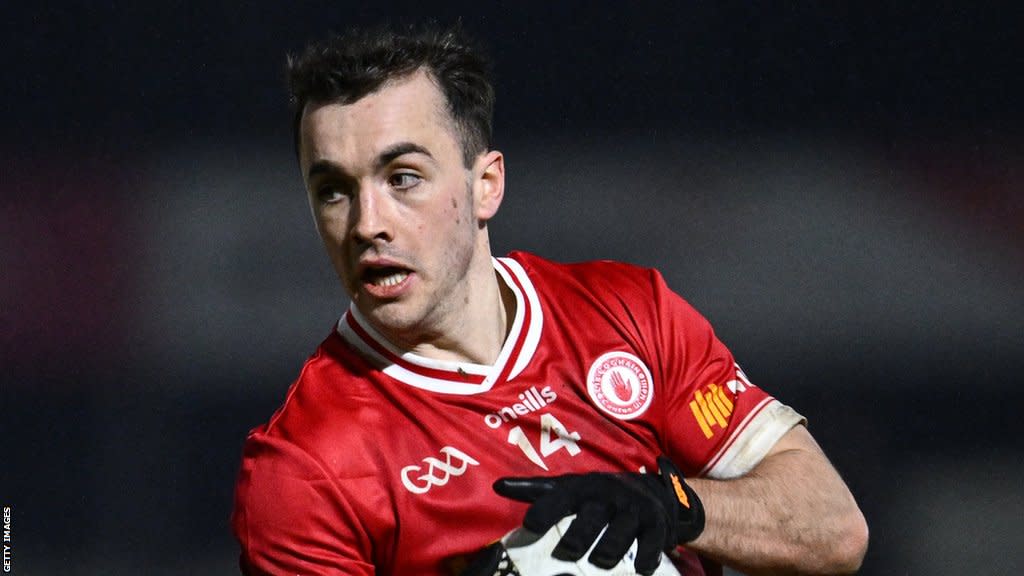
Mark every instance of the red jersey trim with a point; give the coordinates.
(736, 435)
(393, 358)
(456, 377)
(753, 438)
(533, 315)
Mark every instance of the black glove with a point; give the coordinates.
(658, 511)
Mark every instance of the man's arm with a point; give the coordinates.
(290, 518)
(791, 514)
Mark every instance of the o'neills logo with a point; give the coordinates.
(529, 401)
(620, 384)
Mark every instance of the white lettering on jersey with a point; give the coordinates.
(553, 437)
(741, 383)
(438, 472)
(531, 401)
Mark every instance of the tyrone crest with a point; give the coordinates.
(620, 385)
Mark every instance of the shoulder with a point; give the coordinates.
(308, 497)
(624, 294)
(324, 413)
(593, 275)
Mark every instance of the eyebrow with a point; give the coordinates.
(388, 155)
(398, 150)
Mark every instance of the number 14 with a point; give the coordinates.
(553, 437)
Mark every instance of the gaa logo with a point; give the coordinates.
(620, 385)
(438, 472)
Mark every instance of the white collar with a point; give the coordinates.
(447, 376)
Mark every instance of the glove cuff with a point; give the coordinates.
(690, 518)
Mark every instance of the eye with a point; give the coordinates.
(404, 180)
(329, 194)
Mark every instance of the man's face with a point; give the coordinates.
(398, 211)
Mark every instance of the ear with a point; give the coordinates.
(488, 184)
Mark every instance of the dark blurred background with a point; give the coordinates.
(838, 188)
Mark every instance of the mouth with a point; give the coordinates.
(386, 277)
(385, 280)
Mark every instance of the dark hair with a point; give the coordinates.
(348, 67)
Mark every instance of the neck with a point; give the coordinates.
(477, 331)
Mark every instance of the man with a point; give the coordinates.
(570, 386)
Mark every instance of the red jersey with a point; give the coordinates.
(381, 461)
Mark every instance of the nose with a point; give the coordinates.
(370, 219)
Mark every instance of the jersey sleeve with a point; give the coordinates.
(290, 516)
(717, 423)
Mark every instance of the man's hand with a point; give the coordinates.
(658, 511)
